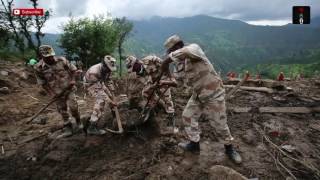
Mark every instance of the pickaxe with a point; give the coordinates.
(54, 99)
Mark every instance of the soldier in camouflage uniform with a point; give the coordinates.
(208, 95)
(136, 80)
(94, 80)
(56, 74)
(152, 66)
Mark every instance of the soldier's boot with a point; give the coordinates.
(170, 119)
(233, 154)
(79, 125)
(94, 130)
(66, 131)
(190, 146)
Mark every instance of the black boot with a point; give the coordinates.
(66, 131)
(233, 154)
(191, 146)
(94, 130)
(79, 125)
(170, 119)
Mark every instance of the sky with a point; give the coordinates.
(256, 12)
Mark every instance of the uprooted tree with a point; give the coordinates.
(92, 39)
(20, 27)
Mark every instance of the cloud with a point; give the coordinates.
(60, 8)
(246, 10)
(262, 12)
(75, 7)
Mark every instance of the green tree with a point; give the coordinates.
(20, 26)
(89, 39)
(124, 27)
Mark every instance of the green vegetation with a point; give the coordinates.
(19, 28)
(231, 45)
(291, 66)
(92, 39)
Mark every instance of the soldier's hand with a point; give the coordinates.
(72, 83)
(52, 94)
(113, 103)
(164, 67)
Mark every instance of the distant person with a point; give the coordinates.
(57, 77)
(231, 75)
(32, 62)
(258, 76)
(208, 96)
(247, 75)
(280, 77)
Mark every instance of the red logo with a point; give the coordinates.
(28, 12)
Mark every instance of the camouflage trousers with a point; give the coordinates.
(62, 106)
(97, 91)
(214, 110)
(165, 99)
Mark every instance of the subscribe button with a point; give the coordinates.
(28, 12)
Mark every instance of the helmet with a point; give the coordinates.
(130, 61)
(46, 51)
(151, 64)
(110, 62)
(171, 41)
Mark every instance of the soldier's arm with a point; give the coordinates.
(110, 96)
(192, 51)
(72, 69)
(43, 82)
(165, 64)
(169, 82)
(148, 88)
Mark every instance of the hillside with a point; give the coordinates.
(229, 44)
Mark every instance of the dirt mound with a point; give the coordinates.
(273, 145)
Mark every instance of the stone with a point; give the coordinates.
(224, 173)
(4, 90)
(4, 73)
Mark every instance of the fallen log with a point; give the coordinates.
(297, 110)
(235, 88)
(294, 110)
(247, 88)
(256, 83)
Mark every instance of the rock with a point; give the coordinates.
(57, 156)
(4, 90)
(24, 75)
(278, 98)
(250, 137)
(224, 173)
(4, 73)
(42, 120)
(288, 148)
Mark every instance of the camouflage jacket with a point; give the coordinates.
(199, 72)
(93, 77)
(58, 76)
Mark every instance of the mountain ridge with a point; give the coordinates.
(229, 44)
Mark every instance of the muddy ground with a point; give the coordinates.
(147, 152)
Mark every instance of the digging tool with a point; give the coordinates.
(115, 109)
(143, 115)
(55, 98)
(236, 88)
(120, 131)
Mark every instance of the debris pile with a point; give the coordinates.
(275, 125)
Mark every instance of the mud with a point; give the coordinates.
(148, 151)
